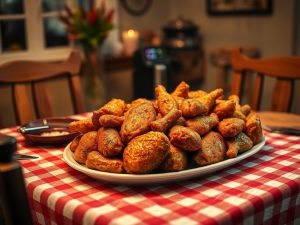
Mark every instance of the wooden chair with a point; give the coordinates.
(284, 69)
(220, 58)
(31, 95)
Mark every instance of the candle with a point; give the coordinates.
(130, 41)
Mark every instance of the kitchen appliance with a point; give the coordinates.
(183, 44)
(150, 69)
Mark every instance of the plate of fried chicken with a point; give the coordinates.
(178, 135)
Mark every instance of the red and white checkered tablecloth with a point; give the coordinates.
(262, 189)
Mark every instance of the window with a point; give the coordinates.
(30, 28)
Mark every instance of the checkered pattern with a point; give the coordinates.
(262, 189)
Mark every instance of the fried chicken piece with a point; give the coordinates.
(166, 122)
(203, 124)
(179, 101)
(87, 143)
(138, 101)
(253, 128)
(165, 101)
(181, 121)
(175, 161)
(75, 143)
(137, 121)
(111, 121)
(192, 107)
(209, 99)
(185, 138)
(230, 127)
(238, 144)
(182, 90)
(109, 142)
(98, 162)
(246, 109)
(81, 126)
(113, 107)
(197, 94)
(237, 112)
(145, 153)
(212, 151)
(224, 108)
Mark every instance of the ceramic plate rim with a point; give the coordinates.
(157, 178)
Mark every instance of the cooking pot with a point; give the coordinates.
(181, 33)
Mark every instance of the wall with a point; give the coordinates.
(273, 35)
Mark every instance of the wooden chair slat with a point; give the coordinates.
(284, 69)
(42, 98)
(282, 99)
(22, 102)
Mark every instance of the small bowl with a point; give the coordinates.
(49, 131)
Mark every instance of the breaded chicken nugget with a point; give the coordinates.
(203, 124)
(109, 142)
(185, 138)
(98, 162)
(87, 143)
(145, 153)
(212, 151)
(230, 127)
(238, 144)
(253, 128)
(175, 161)
(75, 143)
(81, 126)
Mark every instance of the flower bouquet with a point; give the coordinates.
(89, 25)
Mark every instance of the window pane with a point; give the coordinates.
(11, 7)
(13, 36)
(53, 5)
(55, 33)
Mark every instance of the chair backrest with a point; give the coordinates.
(284, 69)
(220, 58)
(30, 94)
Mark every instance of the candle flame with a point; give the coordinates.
(130, 33)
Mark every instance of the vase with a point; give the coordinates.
(93, 80)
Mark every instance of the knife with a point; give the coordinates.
(22, 156)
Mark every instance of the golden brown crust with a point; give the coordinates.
(224, 108)
(197, 94)
(111, 121)
(109, 142)
(209, 99)
(212, 151)
(185, 138)
(87, 143)
(165, 101)
(98, 162)
(253, 128)
(82, 126)
(192, 108)
(182, 90)
(75, 143)
(238, 144)
(230, 127)
(146, 152)
(113, 107)
(137, 121)
(203, 124)
(175, 161)
(165, 122)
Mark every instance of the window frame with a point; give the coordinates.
(36, 49)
